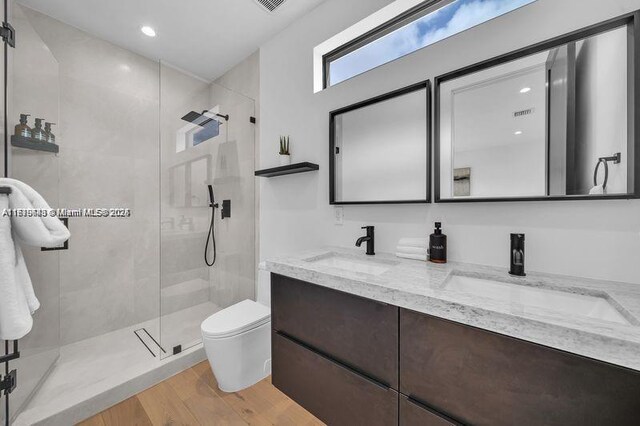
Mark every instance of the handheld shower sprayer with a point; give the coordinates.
(211, 236)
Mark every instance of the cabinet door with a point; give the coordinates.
(414, 414)
(357, 332)
(331, 392)
(483, 378)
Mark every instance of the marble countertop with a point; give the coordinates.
(422, 287)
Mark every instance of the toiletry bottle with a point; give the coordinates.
(22, 129)
(438, 245)
(37, 132)
(49, 136)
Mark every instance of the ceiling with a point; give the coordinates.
(204, 37)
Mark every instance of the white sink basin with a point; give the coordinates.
(370, 267)
(530, 299)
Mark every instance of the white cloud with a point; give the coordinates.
(408, 39)
(471, 14)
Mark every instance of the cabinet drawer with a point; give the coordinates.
(412, 414)
(483, 378)
(331, 392)
(357, 332)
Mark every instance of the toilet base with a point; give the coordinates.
(240, 361)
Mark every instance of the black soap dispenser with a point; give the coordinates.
(438, 245)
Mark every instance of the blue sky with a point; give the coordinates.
(438, 25)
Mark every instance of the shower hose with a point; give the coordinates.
(211, 238)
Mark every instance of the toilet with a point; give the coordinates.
(237, 341)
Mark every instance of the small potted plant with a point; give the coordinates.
(285, 155)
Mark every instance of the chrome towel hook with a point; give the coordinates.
(615, 158)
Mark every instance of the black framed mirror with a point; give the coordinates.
(554, 121)
(379, 149)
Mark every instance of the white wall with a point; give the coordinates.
(498, 171)
(598, 239)
(383, 150)
(601, 108)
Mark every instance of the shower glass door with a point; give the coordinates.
(207, 138)
(34, 89)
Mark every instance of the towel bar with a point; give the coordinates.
(15, 354)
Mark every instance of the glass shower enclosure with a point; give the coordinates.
(141, 136)
(207, 139)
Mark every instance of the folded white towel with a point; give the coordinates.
(18, 300)
(597, 190)
(411, 250)
(412, 256)
(413, 242)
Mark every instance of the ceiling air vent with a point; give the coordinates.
(270, 5)
(524, 112)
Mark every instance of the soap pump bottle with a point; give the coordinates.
(49, 136)
(38, 132)
(22, 129)
(438, 245)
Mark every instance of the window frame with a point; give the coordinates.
(378, 32)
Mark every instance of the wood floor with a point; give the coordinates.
(193, 398)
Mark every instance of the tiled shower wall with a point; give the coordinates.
(108, 132)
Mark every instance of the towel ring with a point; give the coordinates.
(615, 158)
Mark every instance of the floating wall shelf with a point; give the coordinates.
(21, 142)
(288, 170)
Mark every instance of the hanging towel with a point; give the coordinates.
(413, 242)
(33, 231)
(17, 298)
(597, 190)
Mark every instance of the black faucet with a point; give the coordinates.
(369, 239)
(517, 255)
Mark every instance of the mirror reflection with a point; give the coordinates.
(379, 149)
(554, 123)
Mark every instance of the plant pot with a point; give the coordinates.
(285, 160)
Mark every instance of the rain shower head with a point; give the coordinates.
(201, 119)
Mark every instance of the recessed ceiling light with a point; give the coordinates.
(518, 132)
(148, 31)
(525, 90)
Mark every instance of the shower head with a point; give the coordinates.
(201, 119)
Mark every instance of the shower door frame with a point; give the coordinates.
(8, 375)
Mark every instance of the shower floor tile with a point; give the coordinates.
(96, 373)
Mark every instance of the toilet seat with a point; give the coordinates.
(236, 319)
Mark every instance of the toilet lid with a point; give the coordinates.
(236, 319)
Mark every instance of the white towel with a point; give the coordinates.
(413, 242)
(597, 190)
(17, 298)
(412, 256)
(33, 231)
(411, 250)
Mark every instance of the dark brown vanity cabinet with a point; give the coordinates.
(483, 378)
(332, 392)
(357, 332)
(355, 361)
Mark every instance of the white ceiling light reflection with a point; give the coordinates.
(148, 31)
(525, 90)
